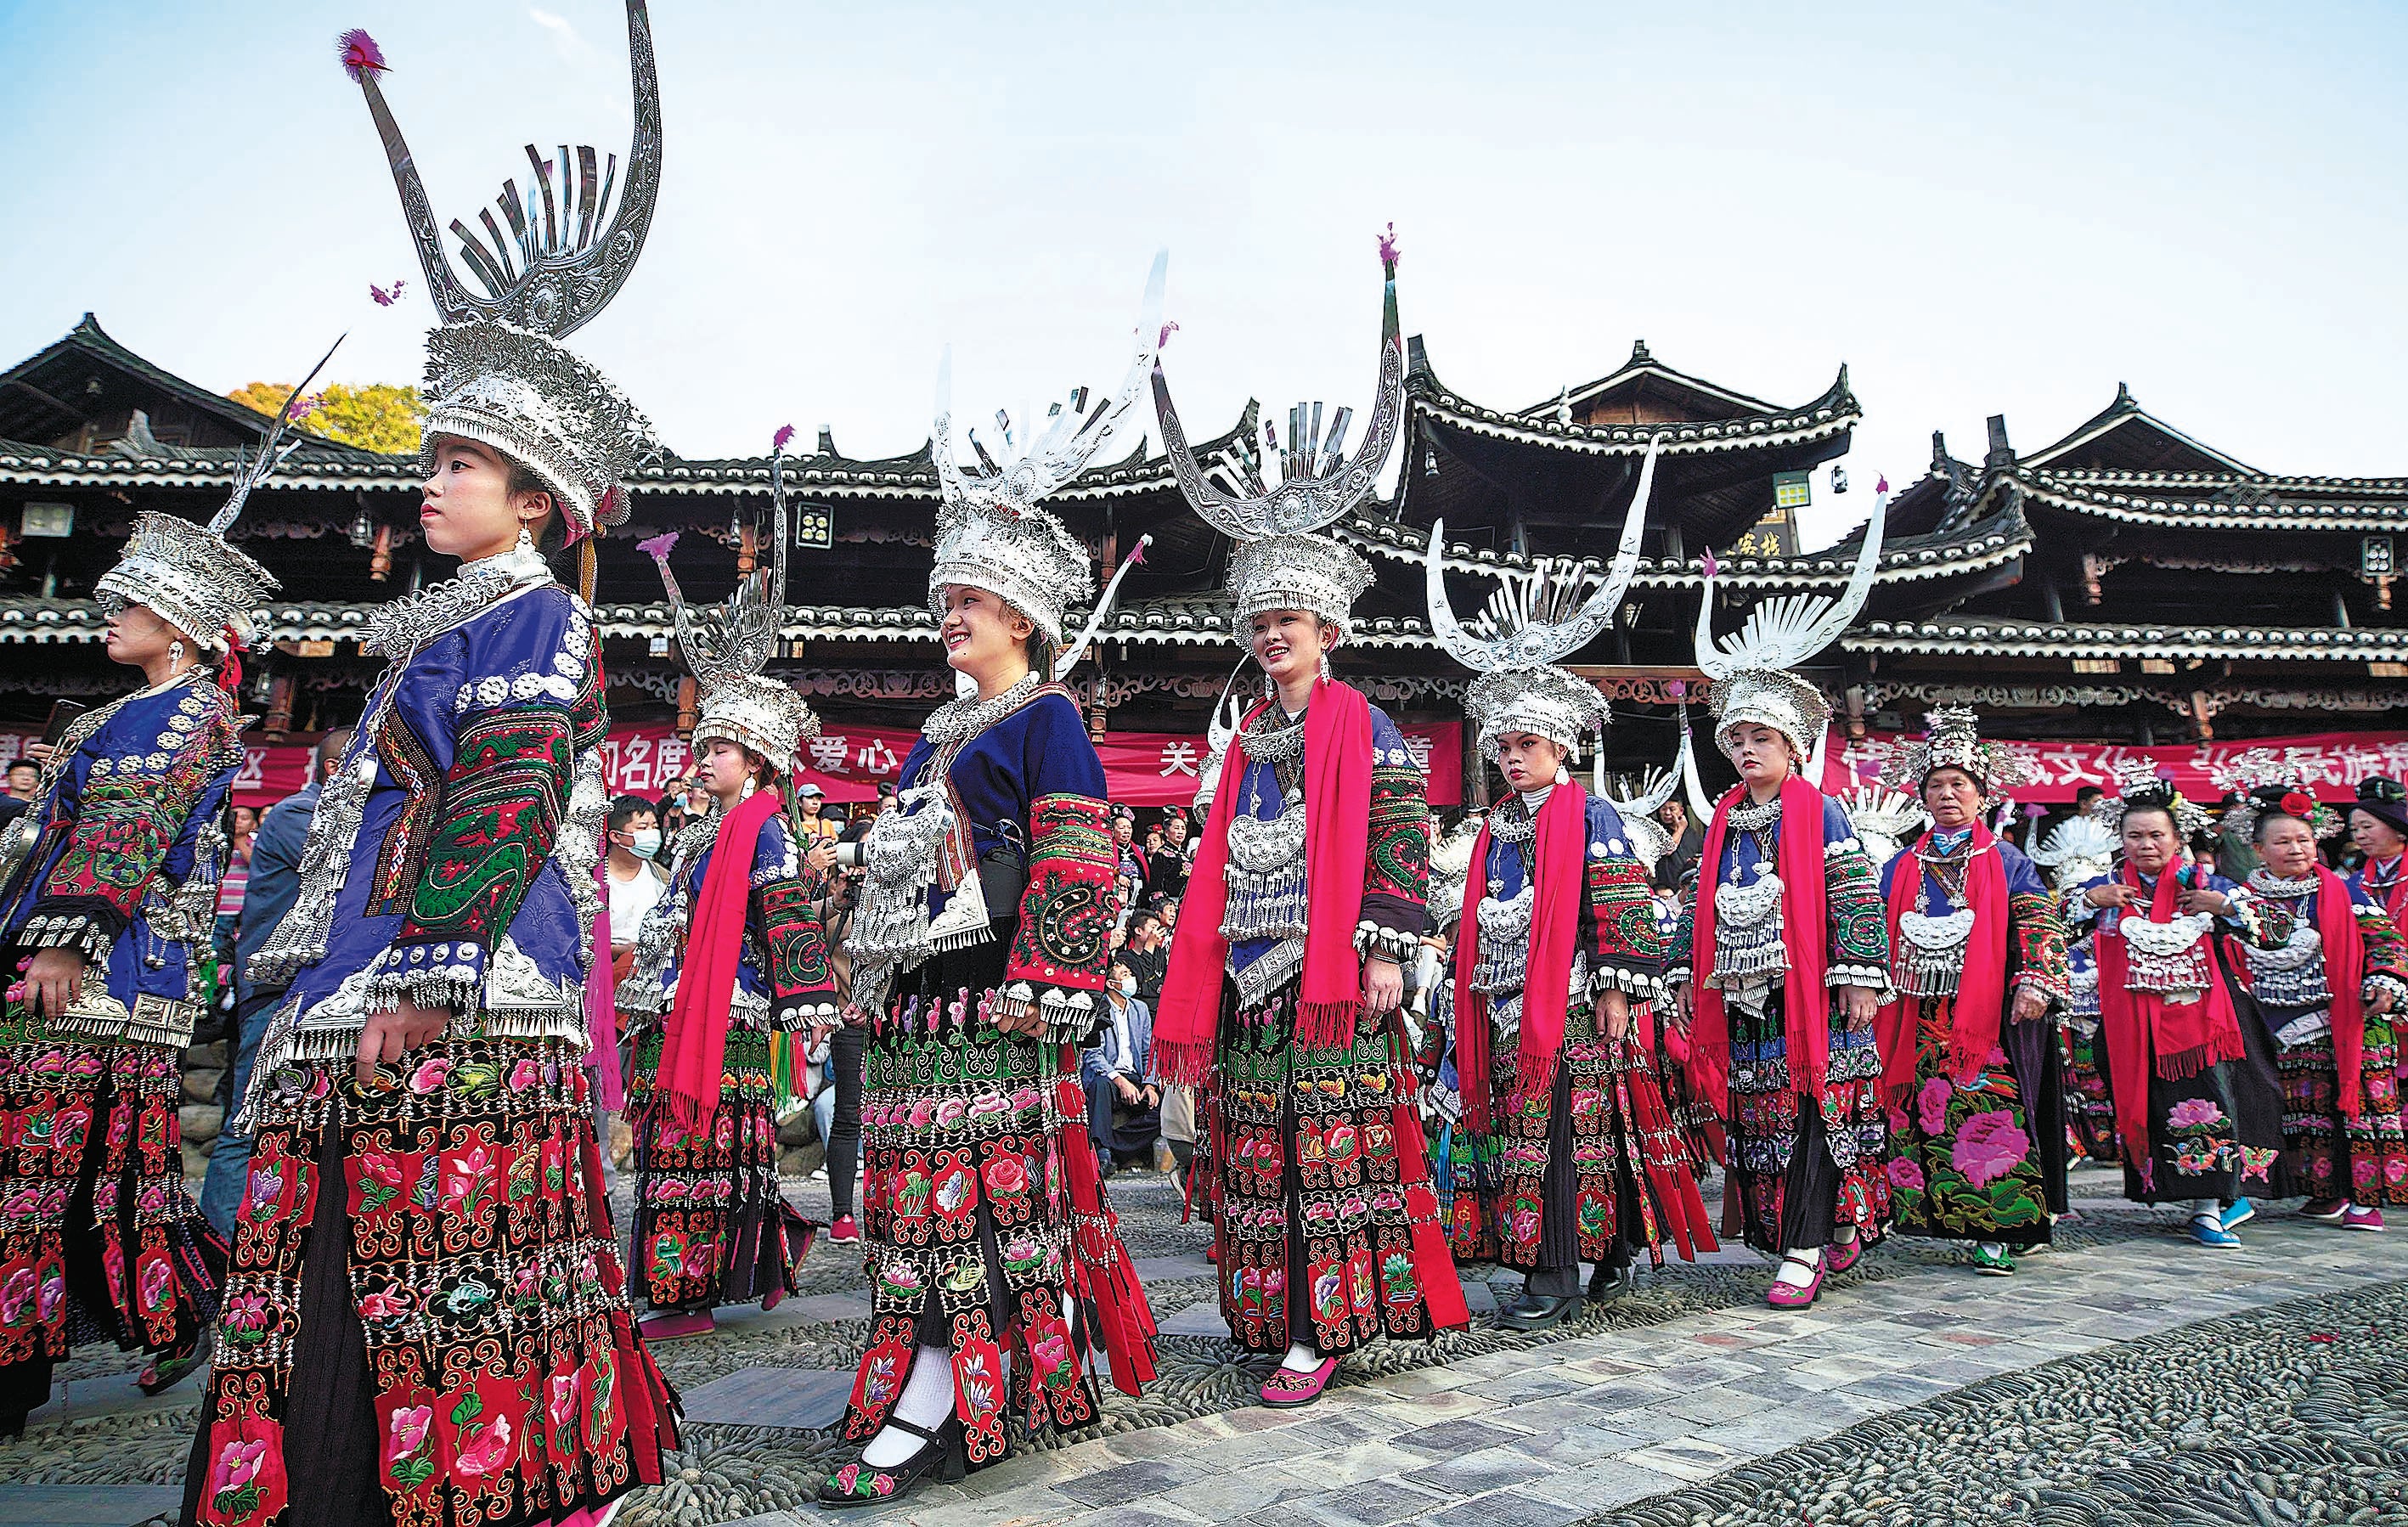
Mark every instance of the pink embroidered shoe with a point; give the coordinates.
(1288, 1389)
(2361, 1218)
(1790, 1295)
(676, 1327)
(1840, 1256)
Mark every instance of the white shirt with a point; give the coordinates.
(630, 899)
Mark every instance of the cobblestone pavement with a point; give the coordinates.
(1653, 1410)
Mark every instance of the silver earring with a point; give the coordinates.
(1563, 775)
(1270, 690)
(1325, 668)
(527, 542)
(174, 654)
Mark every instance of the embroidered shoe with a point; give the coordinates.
(846, 1230)
(1993, 1261)
(1840, 1256)
(1793, 1296)
(2240, 1213)
(2325, 1211)
(2206, 1231)
(674, 1327)
(1288, 1389)
(858, 1484)
(2361, 1218)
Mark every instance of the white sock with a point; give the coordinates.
(1794, 1274)
(1845, 1234)
(1994, 1249)
(1302, 1357)
(926, 1400)
(2207, 1208)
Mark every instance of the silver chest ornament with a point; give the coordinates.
(1747, 928)
(1931, 952)
(2292, 974)
(2168, 958)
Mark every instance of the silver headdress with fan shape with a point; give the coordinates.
(497, 372)
(729, 647)
(2139, 787)
(1885, 819)
(1751, 670)
(2076, 851)
(189, 574)
(1952, 740)
(2269, 782)
(991, 532)
(1548, 610)
(1650, 839)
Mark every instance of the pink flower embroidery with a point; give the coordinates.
(430, 1075)
(239, 1465)
(1904, 1174)
(2193, 1111)
(563, 1400)
(488, 1452)
(381, 1307)
(155, 1276)
(1988, 1147)
(1932, 1105)
(409, 1424)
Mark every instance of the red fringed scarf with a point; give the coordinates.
(1974, 1013)
(1806, 1006)
(2185, 1039)
(2345, 951)
(1337, 837)
(694, 1046)
(1555, 937)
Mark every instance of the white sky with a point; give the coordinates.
(1981, 208)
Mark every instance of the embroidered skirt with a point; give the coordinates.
(2089, 1113)
(712, 1227)
(1796, 1175)
(2364, 1159)
(1981, 1160)
(99, 1239)
(503, 1383)
(985, 1230)
(1325, 1189)
(2217, 1133)
(1593, 1169)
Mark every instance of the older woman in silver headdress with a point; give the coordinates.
(426, 1317)
(1971, 1070)
(1286, 973)
(979, 956)
(107, 889)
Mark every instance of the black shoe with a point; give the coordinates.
(1539, 1312)
(1608, 1284)
(856, 1484)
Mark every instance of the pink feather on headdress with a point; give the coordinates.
(1713, 566)
(360, 54)
(1167, 330)
(659, 547)
(1388, 248)
(779, 441)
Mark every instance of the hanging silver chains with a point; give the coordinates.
(958, 721)
(1274, 742)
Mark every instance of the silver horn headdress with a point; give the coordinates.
(728, 647)
(991, 532)
(1751, 670)
(497, 372)
(189, 574)
(1546, 611)
(1952, 740)
(2076, 851)
(1278, 562)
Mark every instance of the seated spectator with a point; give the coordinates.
(1124, 1110)
(1148, 955)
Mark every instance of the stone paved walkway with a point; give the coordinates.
(1502, 1441)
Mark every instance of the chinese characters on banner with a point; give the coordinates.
(2203, 771)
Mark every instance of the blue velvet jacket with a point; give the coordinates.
(783, 980)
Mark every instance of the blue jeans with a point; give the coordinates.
(221, 1189)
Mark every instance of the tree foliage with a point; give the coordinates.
(378, 415)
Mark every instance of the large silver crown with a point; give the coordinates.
(495, 372)
(1750, 671)
(1549, 610)
(991, 532)
(1318, 483)
(1952, 740)
(755, 711)
(2076, 851)
(1310, 573)
(1886, 819)
(189, 574)
(2139, 786)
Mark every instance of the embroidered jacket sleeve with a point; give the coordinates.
(2387, 952)
(1680, 940)
(2035, 933)
(1070, 903)
(1626, 948)
(2256, 921)
(1860, 926)
(127, 804)
(1395, 868)
(528, 698)
(802, 990)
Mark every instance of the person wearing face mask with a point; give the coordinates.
(1124, 1109)
(1286, 964)
(1971, 1070)
(999, 1279)
(2190, 1061)
(637, 876)
(2333, 997)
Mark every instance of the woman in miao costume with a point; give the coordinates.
(108, 885)
(1462, 1162)
(1786, 958)
(731, 954)
(2199, 1105)
(2075, 852)
(979, 955)
(1970, 1067)
(1559, 954)
(2378, 828)
(1306, 901)
(426, 1318)
(2332, 995)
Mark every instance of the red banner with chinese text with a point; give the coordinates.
(2203, 771)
